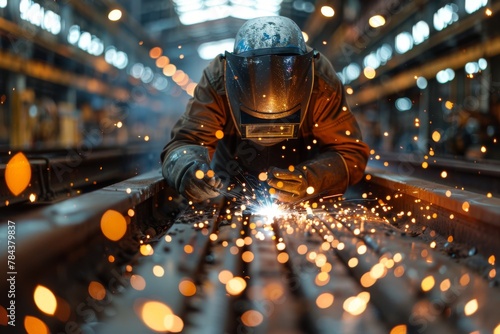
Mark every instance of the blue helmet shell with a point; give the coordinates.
(268, 33)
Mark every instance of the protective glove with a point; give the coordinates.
(324, 175)
(187, 170)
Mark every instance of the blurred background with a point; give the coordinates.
(81, 76)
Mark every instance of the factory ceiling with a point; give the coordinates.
(172, 26)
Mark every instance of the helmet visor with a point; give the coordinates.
(269, 92)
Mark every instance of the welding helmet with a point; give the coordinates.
(269, 79)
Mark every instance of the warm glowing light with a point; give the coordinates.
(115, 15)
(397, 257)
(376, 21)
(154, 314)
(236, 285)
(282, 257)
(362, 249)
(137, 282)
(310, 190)
(302, 249)
(162, 61)
(96, 290)
(252, 318)
(169, 70)
(269, 211)
(219, 134)
(247, 256)
(199, 174)
(497, 329)
(187, 288)
(18, 173)
(33, 325)
(113, 225)
(398, 329)
(155, 52)
(322, 279)
(427, 283)
(355, 305)
(399, 271)
(445, 285)
(471, 307)
(45, 300)
(353, 262)
(444, 174)
(188, 249)
(146, 250)
(378, 271)
(158, 271)
(325, 300)
(466, 206)
(369, 72)
(464, 280)
(327, 11)
(225, 276)
(436, 136)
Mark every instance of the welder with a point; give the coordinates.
(275, 107)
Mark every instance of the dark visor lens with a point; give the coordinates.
(268, 86)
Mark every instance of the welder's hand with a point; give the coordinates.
(325, 175)
(186, 169)
(199, 183)
(290, 185)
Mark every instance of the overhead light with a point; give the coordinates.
(327, 11)
(403, 42)
(376, 21)
(420, 32)
(210, 50)
(198, 11)
(115, 15)
(185, 7)
(403, 104)
(203, 15)
(473, 5)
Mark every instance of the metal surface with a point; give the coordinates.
(357, 264)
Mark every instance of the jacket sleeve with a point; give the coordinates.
(335, 127)
(205, 113)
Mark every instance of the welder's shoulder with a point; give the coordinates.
(214, 73)
(326, 74)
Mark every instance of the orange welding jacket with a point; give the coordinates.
(328, 126)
